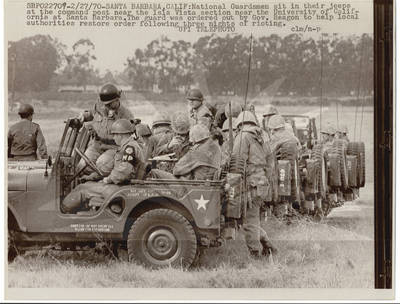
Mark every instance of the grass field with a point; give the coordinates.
(336, 253)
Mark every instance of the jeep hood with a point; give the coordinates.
(23, 177)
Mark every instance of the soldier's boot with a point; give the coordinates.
(333, 200)
(318, 214)
(268, 248)
(72, 202)
(281, 210)
(307, 207)
(340, 198)
(256, 254)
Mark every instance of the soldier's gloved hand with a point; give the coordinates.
(92, 132)
(176, 141)
(106, 180)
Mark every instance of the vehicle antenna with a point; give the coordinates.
(359, 87)
(230, 129)
(337, 114)
(363, 103)
(247, 89)
(362, 112)
(321, 82)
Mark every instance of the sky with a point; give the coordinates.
(115, 45)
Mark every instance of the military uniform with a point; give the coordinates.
(128, 164)
(157, 141)
(199, 163)
(196, 114)
(257, 154)
(25, 139)
(100, 122)
(281, 138)
(179, 146)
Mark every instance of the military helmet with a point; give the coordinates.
(25, 109)
(270, 110)
(343, 129)
(180, 123)
(143, 130)
(236, 108)
(328, 130)
(194, 94)
(225, 126)
(109, 93)
(276, 122)
(245, 117)
(122, 126)
(198, 133)
(161, 119)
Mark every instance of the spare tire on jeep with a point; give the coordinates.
(340, 147)
(162, 237)
(358, 149)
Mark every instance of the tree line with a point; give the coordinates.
(219, 64)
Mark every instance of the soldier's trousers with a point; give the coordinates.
(93, 152)
(92, 193)
(254, 234)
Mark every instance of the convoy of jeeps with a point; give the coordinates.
(169, 222)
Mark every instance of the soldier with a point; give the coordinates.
(280, 134)
(202, 160)
(25, 138)
(327, 137)
(179, 143)
(269, 111)
(341, 133)
(250, 146)
(104, 113)
(197, 108)
(128, 164)
(143, 134)
(162, 134)
(285, 145)
(223, 113)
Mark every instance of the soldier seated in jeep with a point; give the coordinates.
(201, 162)
(128, 162)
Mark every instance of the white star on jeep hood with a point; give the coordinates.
(201, 203)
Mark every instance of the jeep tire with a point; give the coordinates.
(162, 237)
(340, 150)
(12, 250)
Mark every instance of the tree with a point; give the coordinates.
(165, 63)
(80, 69)
(32, 62)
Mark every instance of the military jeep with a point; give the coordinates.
(159, 222)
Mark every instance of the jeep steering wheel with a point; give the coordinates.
(88, 161)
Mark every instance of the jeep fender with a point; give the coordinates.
(202, 207)
(18, 220)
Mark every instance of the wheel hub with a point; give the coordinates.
(161, 244)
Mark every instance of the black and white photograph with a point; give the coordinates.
(213, 145)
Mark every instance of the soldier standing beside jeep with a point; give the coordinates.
(25, 138)
(250, 145)
(197, 109)
(100, 119)
(128, 163)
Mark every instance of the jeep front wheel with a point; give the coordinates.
(162, 237)
(12, 250)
